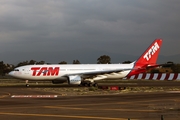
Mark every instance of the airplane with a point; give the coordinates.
(88, 74)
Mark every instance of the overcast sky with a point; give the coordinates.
(63, 30)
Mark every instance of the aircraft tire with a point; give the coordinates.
(95, 85)
(90, 84)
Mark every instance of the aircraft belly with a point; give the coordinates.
(117, 75)
(41, 78)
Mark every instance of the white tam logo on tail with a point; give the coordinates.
(151, 51)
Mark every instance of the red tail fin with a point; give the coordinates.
(148, 58)
(151, 54)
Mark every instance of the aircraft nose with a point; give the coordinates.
(11, 73)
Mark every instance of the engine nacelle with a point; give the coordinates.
(75, 80)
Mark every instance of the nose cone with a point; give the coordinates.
(11, 73)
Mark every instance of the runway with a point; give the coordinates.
(136, 106)
(125, 83)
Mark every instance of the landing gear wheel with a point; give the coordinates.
(90, 84)
(27, 85)
(84, 84)
(95, 85)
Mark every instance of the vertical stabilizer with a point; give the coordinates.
(148, 58)
(151, 54)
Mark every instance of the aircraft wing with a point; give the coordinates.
(101, 72)
(94, 74)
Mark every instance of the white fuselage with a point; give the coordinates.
(57, 71)
(79, 73)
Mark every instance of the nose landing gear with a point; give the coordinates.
(27, 85)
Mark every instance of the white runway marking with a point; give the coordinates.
(34, 96)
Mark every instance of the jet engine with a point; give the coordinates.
(75, 80)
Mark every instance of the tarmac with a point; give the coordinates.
(19, 103)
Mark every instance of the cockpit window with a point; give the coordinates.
(16, 69)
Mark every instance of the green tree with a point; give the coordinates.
(32, 62)
(176, 68)
(76, 62)
(63, 62)
(104, 59)
(2, 66)
(5, 68)
(168, 64)
(155, 71)
(40, 62)
(22, 63)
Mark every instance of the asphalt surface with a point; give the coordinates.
(138, 83)
(33, 105)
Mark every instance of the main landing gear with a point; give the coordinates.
(89, 84)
